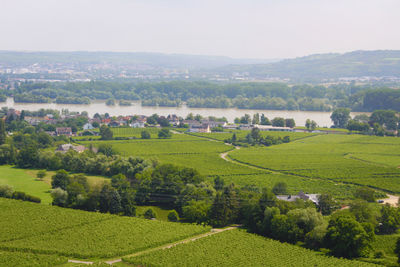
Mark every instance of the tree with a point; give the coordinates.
(397, 249)
(2, 132)
(311, 125)
(326, 204)
(41, 174)
(256, 119)
(173, 216)
(278, 122)
(348, 238)
(150, 214)
(385, 118)
(280, 188)
(145, 135)
(164, 133)
(218, 183)
(115, 202)
(27, 156)
(60, 197)
(106, 133)
(234, 138)
(60, 180)
(196, 211)
(365, 193)
(106, 149)
(255, 134)
(290, 123)
(389, 220)
(264, 120)
(340, 117)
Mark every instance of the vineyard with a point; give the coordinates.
(238, 248)
(242, 134)
(19, 259)
(339, 158)
(26, 227)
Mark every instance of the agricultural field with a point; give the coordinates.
(352, 159)
(25, 227)
(20, 259)
(25, 181)
(221, 136)
(237, 248)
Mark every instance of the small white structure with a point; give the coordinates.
(300, 195)
(199, 128)
(88, 126)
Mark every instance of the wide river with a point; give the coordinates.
(322, 118)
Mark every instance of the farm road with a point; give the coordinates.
(167, 246)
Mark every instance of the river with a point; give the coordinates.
(300, 117)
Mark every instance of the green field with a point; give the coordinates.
(20, 259)
(29, 227)
(25, 180)
(22, 180)
(356, 159)
(238, 248)
(314, 163)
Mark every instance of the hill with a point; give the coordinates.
(140, 60)
(325, 66)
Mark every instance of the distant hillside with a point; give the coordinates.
(122, 58)
(325, 66)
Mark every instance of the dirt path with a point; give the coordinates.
(81, 262)
(167, 246)
(392, 200)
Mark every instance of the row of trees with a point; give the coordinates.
(263, 120)
(214, 95)
(381, 122)
(255, 138)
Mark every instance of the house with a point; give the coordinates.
(138, 124)
(199, 128)
(273, 128)
(214, 124)
(114, 124)
(64, 131)
(66, 147)
(173, 119)
(300, 195)
(230, 127)
(88, 126)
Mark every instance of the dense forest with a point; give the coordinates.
(274, 96)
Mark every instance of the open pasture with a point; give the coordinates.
(238, 248)
(23, 180)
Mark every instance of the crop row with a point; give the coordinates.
(19, 259)
(111, 236)
(238, 248)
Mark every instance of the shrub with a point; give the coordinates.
(145, 135)
(173, 216)
(6, 191)
(150, 214)
(41, 174)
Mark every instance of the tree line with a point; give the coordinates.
(247, 95)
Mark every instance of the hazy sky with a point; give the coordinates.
(245, 28)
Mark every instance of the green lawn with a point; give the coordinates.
(23, 180)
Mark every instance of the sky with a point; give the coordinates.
(265, 29)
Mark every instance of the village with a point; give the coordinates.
(77, 124)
